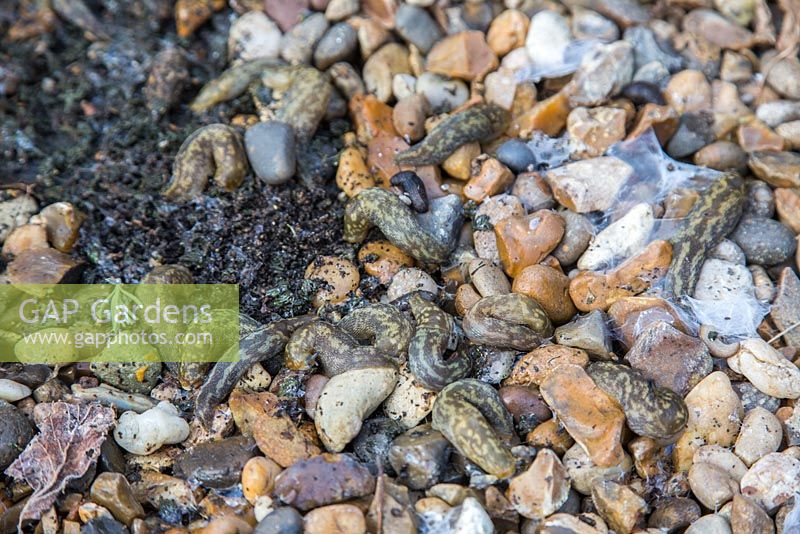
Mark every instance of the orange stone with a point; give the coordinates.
(371, 117)
(787, 204)
(191, 14)
(631, 315)
(755, 135)
(352, 175)
(591, 417)
(248, 407)
(663, 119)
(459, 163)
(464, 55)
(526, 240)
(595, 129)
(598, 291)
(466, 297)
(492, 179)
(550, 435)
(548, 287)
(549, 116)
(25, 237)
(534, 367)
(281, 441)
(382, 260)
(507, 31)
(382, 11)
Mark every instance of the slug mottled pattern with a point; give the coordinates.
(511, 321)
(214, 150)
(306, 92)
(650, 411)
(382, 208)
(382, 326)
(256, 345)
(333, 349)
(713, 216)
(481, 122)
(426, 361)
(470, 414)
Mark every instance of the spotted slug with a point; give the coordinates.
(330, 347)
(650, 411)
(256, 344)
(382, 326)
(231, 83)
(481, 122)
(713, 216)
(382, 208)
(470, 414)
(434, 333)
(511, 321)
(214, 150)
(304, 99)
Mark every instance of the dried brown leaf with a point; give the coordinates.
(68, 442)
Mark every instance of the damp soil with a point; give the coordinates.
(74, 127)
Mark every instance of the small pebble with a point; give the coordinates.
(271, 150)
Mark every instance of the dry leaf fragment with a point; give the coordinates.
(68, 443)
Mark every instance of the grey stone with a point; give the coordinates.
(760, 201)
(271, 150)
(419, 457)
(283, 520)
(104, 524)
(753, 398)
(444, 219)
(695, 131)
(416, 26)
(588, 332)
(124, 376)
(216, 464)
(298, 43)
(338, 43)
(374, 440)
(444, 94)
(516, 155)
(646, 49)
(764, 241)
(15, 433)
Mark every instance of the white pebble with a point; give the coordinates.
(147, 432)
(620, 239)
(11, 391)
(410, 280)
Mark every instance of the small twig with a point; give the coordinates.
(784, 332)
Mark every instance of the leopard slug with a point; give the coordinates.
(330, 347)
(713, 216)
(256, 345)
(382, 208)
(214, 150)
(511, 321)
(231, 83)
(382, 326)
(434, 333)
(304, 99)
(470, 414)
(650, 411)
(481, 122)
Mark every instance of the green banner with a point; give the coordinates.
(136, 323)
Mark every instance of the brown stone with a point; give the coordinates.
(534, 367)
(663, 119)
(631, 315)
(526, 240)
(592, 291)
(591, 417)
(747, 516)
(722, 156)
(459, 163)
(25, 237)
(287, 13)
(280, 440)
(246, 408)
(541, 489)
(409, 117)
(507, 31)
(352, 175)
(790, 131)
(548, 287)
(523, 402)
(492, 178)
(464, 55)
(63, 222)
(44, 266)
(755, 135)
(371, 117)
(383, 260)
(112, 491)
(670, 358)
(785, 312)
(466, 297)
(595, 129)
(549, 116)
(382, 11)
(619, 505)
(550, 435)
(335, 519)
(688, 91)
(191, 14)
(787, 204)
(778, 169)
